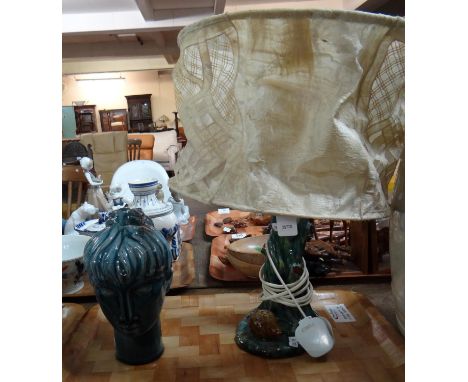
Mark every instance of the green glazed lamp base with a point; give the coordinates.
(286, 253)
(280, 347)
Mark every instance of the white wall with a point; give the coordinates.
(110, 94)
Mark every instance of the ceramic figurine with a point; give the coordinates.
(94, 194)
(180, 209)
(118, 197)
(81, 214)
(162, 213)
(129, 264)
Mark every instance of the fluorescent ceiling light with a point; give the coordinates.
(126, 35)
(99, 77)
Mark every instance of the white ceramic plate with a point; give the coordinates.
(73, 246)
(90, 226)
(140, 170)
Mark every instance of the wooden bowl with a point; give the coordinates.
(245, 257)
(246, 250)
(247, 269)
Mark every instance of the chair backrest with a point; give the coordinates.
(74, 178)
(147, 145)
(134, 146)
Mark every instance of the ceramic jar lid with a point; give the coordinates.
(145, 198)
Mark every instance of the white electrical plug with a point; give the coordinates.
(315, 335)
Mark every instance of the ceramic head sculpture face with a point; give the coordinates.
(129, 265)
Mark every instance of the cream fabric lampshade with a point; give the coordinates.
(292, 112)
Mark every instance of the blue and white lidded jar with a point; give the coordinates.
(161, 213)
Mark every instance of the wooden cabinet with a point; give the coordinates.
(85, 119)
(139, 112)
(113, 120)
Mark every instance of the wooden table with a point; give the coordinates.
(198, 335)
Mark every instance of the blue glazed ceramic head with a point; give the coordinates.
(129, 265)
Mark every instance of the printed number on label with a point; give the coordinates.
(293, 342)
(286, 225)
(239, 235)
(340, 313)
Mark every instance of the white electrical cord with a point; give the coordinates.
(279, 293)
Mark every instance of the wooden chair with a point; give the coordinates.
(74, 178)
(147, 144)
(134, 146)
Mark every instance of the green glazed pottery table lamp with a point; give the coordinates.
(299, 114)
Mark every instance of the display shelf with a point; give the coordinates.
(113, 120)
(198, 336)
(85, 117)
(139, 113)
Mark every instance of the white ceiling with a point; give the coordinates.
(92, 29)
(91, 6)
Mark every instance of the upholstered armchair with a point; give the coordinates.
(109, 152)
(160, 147)
(165, 149)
